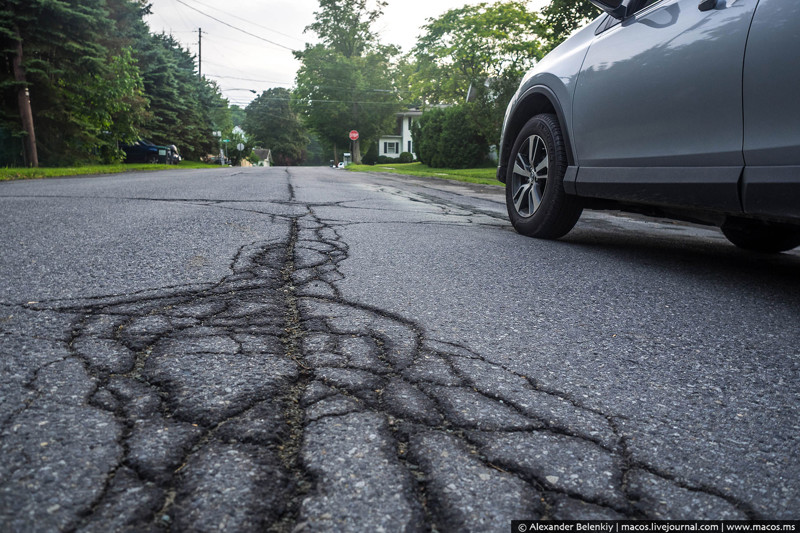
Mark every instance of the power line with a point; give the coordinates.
(228, 41)
(247, 79)
(234, 27)
(366, 89)
(312, 101)
(250, 22)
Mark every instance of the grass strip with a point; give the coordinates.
(18, 173)
(484, 176)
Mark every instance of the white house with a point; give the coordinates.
(400, 140)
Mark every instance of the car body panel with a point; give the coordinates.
(771, 83)
(635, 109)
(686, 109)
(142, 151)
(771, 183)
(664, 88)
(554, 78)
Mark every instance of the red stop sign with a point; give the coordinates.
(354, 135)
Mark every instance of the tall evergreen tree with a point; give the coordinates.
(94, 78)
(80, 78)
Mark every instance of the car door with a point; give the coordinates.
(771, 181)
(658, 106)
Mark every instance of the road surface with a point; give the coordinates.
(310, 349)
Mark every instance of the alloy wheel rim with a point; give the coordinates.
(529, 176)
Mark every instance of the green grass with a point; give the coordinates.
(10, 173)
(484, 176)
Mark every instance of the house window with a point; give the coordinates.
(391, 148)
(409, 145)
(409, 125)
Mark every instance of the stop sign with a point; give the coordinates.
(354, 135)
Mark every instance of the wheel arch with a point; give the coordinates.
(537, 99)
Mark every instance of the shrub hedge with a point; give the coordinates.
(448, 138)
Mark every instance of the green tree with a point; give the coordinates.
(345, 26)
(84, 91)
(184, 109)
(270, 121)
(85, 76)
(479, 53)
(346, 82)
(237, 115)
(316, 154)
(445, 138)
(467, 46)
(236, 138)
(181, 104)
(562, 17)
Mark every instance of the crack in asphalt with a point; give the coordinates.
(269, 400)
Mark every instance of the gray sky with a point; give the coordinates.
(239, 61)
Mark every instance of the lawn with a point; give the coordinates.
(484, 176)
(11, 173)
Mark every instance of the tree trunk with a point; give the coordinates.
(357, 152)
(335, 156)
(24, 103)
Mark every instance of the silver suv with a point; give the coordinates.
(688, 109)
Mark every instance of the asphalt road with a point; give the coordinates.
(317, 350)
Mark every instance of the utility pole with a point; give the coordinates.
(200, 53)
(24, 104)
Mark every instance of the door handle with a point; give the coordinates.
(707, 5)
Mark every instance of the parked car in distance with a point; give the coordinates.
(680, 108)
(144, 151)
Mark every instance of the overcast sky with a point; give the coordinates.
(240, 61)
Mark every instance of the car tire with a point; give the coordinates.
(152, 160)
(535, 198)
(760, 236)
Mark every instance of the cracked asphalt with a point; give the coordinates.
(308, 349)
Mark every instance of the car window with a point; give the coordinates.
(610, 21)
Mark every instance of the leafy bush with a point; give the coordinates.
(425, 134)
(406, 157)
(386, 160)
(449, 138)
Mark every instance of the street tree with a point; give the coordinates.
(562, 17)
(237, 115)
(345, 26)
(346, 82)
(469, 45)
(477, 53)
(235, 139)
(271, 123)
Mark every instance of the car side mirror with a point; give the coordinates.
(619, 9)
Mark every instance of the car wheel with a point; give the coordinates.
(761, 236)
(535, 198)
(152, 160)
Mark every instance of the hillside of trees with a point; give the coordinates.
(90, 76)
(470, 59)
(79, 78)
